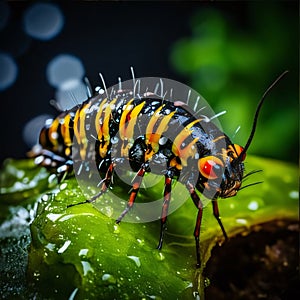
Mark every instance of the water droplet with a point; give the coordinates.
(53, 217)
(83, 252)
(64, 247)
(253, 205)
(52, 181)
(160, 256)
(232, 205)
(108, 277)
(136, 260)
(163, 140)
(45, 198)
(141, 242)
(50, 246)
(189, 285)
(25, 180)
(63, 186)
(116, 229)
(72, 296)
(206, 282)
(108, 211)
(294, 194)
(86, 267)
(241, 221)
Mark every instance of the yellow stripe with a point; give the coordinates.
(97, 119)
(82, 122)
(152, 138)
(126, 129)
(76, 130)
(133, 118)
(65, 130)
(122, 126)
(107, 116)
(79, 129)
(151, 124)
(218, 138)
(105, 138)
(53, 134)
(188, 151)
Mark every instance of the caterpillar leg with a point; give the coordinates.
(135, 188)
(64, 170)
(48, 159)
(105, 184)
(199, 205)
(217, 216)
(165, 208)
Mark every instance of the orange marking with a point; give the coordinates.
(174, 163)
(102, 120)
(104, 143)
(65, 130)
(79, 129)
(76, 122)
(188, 151)
(152, 138)
(98, 120)
(219, 138)
(234, 149)
(150, 135)
(126, 111)
(42, 138)
(127, 124)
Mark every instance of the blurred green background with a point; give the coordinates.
(231, 57)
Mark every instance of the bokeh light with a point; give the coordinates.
(4, 14)
(71, 93)
(8, 71)
(63, 68)
(32, 129)
(43, 21)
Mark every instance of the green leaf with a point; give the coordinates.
(78, 252)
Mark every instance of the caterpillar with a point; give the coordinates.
(148, 134)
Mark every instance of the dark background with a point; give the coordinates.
(110, 37)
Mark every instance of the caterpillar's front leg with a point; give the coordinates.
(137, 181)
(199, 205)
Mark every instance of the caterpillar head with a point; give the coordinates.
(221, 175)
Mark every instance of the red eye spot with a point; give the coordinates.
(210, 167)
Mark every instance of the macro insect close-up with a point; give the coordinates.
(146, 133)
(117, 185)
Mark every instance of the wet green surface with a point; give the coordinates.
(80, 253)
